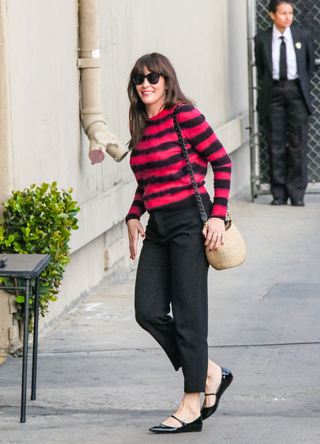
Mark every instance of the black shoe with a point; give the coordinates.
(279, 201)
(297, 203)
(226, 380)
(195, 426)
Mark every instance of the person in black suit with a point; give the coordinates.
(285, 62)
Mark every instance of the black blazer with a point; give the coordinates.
(305, 62)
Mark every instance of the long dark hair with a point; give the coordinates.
(137, 111)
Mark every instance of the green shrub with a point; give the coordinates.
(39, 220)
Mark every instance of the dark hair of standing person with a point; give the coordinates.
(273, 6)
(137, 112)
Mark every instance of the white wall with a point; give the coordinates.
(191, 34)
(42, 47)
(237, 72)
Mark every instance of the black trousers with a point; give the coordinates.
(287, 136)
(173, 269)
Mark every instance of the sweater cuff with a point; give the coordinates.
(218, 217)
(131, 216)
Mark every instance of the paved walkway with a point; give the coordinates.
(101, 379)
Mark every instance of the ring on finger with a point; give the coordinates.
(219, 235)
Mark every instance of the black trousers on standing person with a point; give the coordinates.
(287, 136)
(173, 270)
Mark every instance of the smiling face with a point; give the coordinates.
(153, 96)
(283, 17)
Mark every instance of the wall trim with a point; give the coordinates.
(103, 212)
(234, 134)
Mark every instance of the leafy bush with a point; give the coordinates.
(39, 220)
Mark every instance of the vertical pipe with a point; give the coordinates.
(25, 354)
(252, 129)
(35, 343)
(89, 64)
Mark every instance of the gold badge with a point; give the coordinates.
(298, 45)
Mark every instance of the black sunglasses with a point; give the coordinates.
(152, 77)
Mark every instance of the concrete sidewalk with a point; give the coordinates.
(101, 379)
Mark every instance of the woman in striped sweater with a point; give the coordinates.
(172, 267)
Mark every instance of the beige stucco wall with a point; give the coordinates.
(6, 170)
(192, 34)
(41, 139)
(42, 47)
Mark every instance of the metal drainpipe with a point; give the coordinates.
(252, 118)
(89, 64)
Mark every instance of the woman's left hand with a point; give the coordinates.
(214, 234)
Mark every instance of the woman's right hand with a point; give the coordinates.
(134, 229)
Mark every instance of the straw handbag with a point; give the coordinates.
(233, 252)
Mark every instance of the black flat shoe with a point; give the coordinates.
(279, 201)
(297, 203)
(195, 426)
(226, 380)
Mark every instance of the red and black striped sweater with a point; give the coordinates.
(160, 169)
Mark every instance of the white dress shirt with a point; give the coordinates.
(292, 70)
